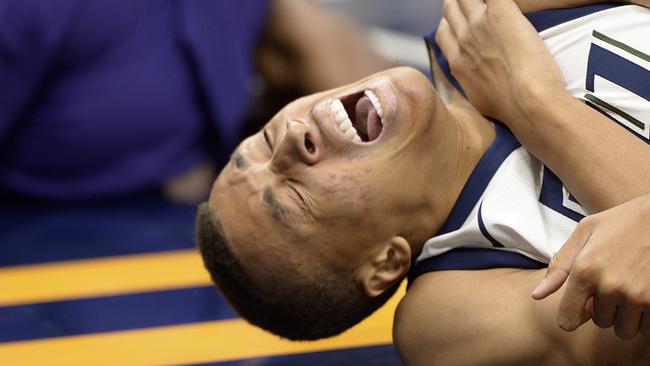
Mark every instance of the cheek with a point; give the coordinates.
(348, 202)
(342, 188)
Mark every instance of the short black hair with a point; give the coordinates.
(296, 308)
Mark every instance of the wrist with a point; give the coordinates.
(538, 102)
(545, 127)
(533, 95)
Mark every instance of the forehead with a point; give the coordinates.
(235, 200)
(270, 250)
(263, 245)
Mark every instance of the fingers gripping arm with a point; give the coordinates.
(494, 52)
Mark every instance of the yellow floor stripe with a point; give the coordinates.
(201, 342)
(101, 277)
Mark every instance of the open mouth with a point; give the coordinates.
(359, 116)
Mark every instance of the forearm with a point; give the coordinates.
(576, 142)
(507, 73)
(310, 48)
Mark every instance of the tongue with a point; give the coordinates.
(374, 125)
(367, 120)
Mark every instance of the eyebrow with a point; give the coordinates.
(277, 210)
(239, 160)
(270, 198)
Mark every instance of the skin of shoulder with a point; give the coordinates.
(487, 317)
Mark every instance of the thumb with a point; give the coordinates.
(560, 265)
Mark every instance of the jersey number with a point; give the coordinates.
(612, 72)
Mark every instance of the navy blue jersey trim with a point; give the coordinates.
(104, 314)
(484, 231)
(474, 259)
(504, 143)
(430, 39)
(545, 19)
(541, 20)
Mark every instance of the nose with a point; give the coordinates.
(300, 145)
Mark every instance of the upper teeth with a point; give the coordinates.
(342, 118)
(375, 102)
(345, 124)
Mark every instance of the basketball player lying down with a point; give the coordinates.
(320, 215)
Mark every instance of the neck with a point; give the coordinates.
(464, 139)
(474, 134)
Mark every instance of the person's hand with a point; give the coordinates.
(497, 56)
(607, 262)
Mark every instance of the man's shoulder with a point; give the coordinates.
(444, 313)
(430, 321)
(486, 317)
(415, 333)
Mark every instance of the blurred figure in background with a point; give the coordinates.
(102, 99)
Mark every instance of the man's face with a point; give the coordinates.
(301, 194)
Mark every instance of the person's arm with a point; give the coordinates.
(601, 164)
(309, 48)
(508, 73)
(486, 318)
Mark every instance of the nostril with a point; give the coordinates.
(309, 145)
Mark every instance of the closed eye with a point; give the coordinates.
(303, 203)
(302, 199)
(268, 140)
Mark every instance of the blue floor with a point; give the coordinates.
(33, 233)
(366, 356)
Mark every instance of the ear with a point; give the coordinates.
(385, 267)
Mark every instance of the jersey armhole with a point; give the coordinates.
(474, 259)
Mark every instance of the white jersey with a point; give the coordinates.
(513, 211)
